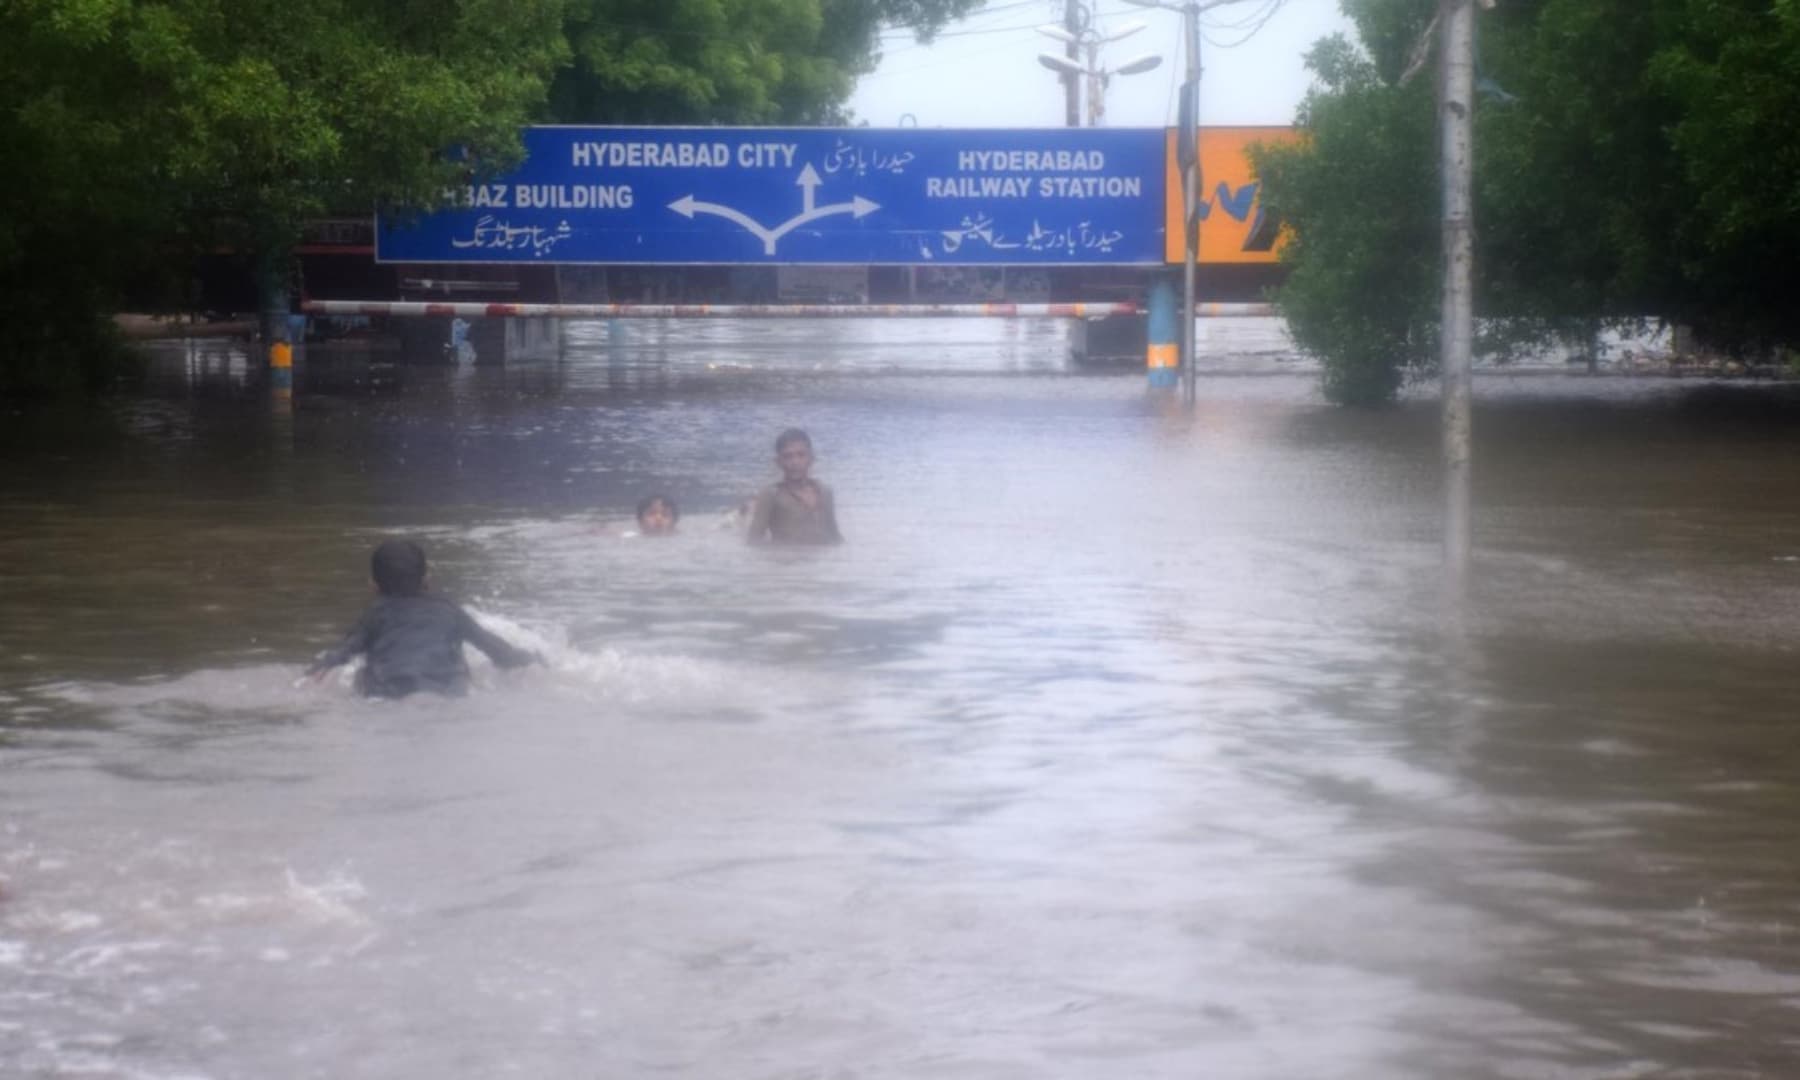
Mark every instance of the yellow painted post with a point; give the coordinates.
(281, 369)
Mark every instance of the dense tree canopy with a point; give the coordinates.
(1731, 69)
(1633, 158)
(1358, 199)
(136, 132)
(726, 61)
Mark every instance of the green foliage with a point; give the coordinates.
(1557, 237)
(1638, 162)
(1731, 70)
(726, 61)
(138, 132)
(1359, 198)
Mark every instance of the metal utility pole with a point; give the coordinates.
(1096, 82)
(1188, 143)
(1074, 21)
(1456, 99)
(1098, 78)
(1190, 203)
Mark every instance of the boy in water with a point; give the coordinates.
(657, 515)
(799, 509)
(413, 641)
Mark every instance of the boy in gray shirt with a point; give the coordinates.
(413, 640)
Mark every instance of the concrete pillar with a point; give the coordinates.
(532, 338)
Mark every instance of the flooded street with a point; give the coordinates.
(1117, 742)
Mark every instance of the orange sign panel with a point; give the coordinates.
(1233, 227)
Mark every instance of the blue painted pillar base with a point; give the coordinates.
(1162, 357)
(281, 371)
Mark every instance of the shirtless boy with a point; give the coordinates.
(798, 509)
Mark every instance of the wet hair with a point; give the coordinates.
(792, 435)
(398, 567)
(648, 501)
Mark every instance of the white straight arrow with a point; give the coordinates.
(809, 182)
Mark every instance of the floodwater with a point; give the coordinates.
(1117, 742)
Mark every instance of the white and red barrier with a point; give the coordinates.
(478, 310)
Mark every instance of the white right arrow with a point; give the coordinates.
(858, 207)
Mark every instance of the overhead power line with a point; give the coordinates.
(1251, 26)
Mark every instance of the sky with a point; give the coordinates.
(983, 71)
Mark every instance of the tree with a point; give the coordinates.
(1633, 159)
(1359, 198)
(727, 61)
(1575, 192)
(1731, 71)
(138, 132)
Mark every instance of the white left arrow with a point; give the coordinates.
(687, 206)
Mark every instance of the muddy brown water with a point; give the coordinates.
(1117, 742)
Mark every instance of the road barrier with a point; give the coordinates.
(476, 310)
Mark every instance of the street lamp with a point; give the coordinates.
(1188, 144)
(1142, 63)
(1098, 77)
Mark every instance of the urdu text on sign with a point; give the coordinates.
(1057, 196)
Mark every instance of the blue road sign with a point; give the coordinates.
(1055, 196)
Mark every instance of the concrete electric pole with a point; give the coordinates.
(1075, 20)
(1098, 77)
(1456, 103)
(1188, 143)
